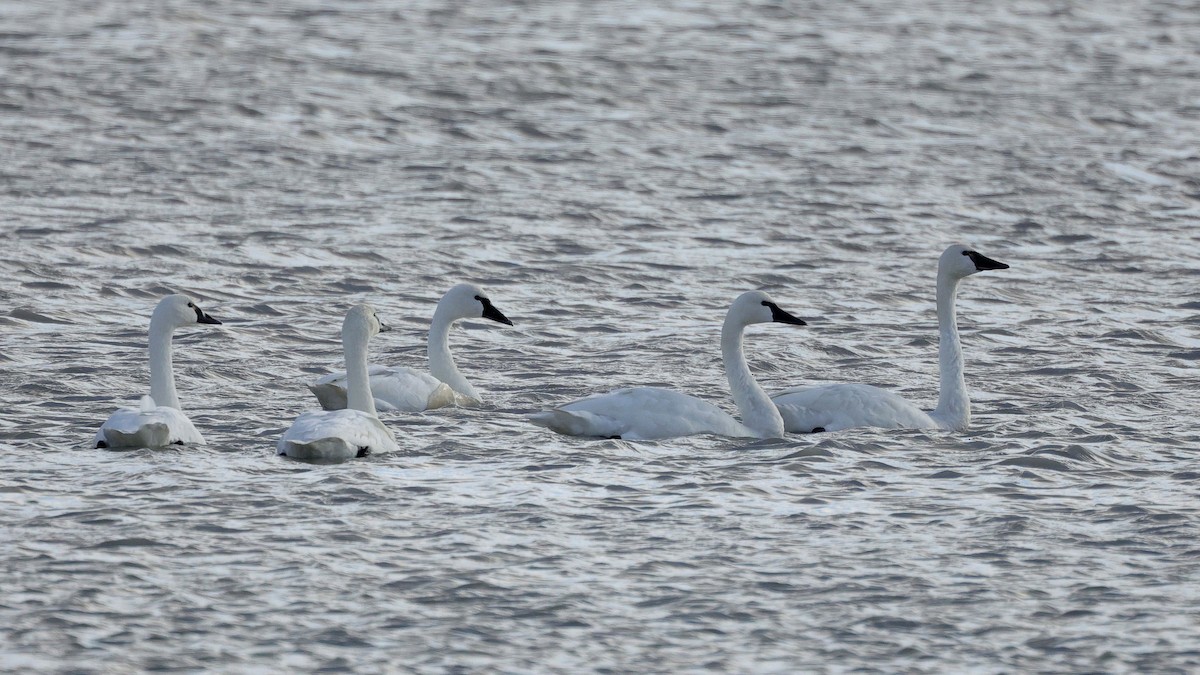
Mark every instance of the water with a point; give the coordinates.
(615, 174)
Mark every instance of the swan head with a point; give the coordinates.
(362, 321)
(959, 261)
(179, 310)
(758, 307)
(468, 301)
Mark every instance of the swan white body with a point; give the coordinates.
(356, 431)
(648, 413)
(406, 389)
(157, 421)
(833, 407)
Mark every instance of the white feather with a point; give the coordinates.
(355, 431)
(640, 414)
(335, 435)
(157, 421)
(833, 407)
(395, 388)
(147, 426)
(648, 413)
(405, 389)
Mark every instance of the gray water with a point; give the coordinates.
(615, 173)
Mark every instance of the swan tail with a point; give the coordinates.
(153, 435)
(444, 396)
(330, 396)
(321, 448)
(578, 423)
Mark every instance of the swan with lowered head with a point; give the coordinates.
(409, 390)
(157, 421)
(649, 413)
(355, 431)
(831, 407)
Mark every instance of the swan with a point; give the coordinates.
(831, 407)
(157, 421)
(649, 413)
(355, 431)
(400, 388)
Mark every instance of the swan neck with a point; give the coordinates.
(358, 382)
(954, 406)
(759, 413)
(441, 362)
(162, 373)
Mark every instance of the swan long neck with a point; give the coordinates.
(954, 406)
(162, 373)
(358, 382)
(441, 363)
(759, 413)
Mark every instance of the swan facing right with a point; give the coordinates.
(831, 407)
(157, 421)
(409, 390)
(356, 431)
(650, 413)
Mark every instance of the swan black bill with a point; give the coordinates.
(982, 262)
(781, 316)
(201, 317)
(490, 312)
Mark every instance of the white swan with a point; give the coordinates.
(157, 421)
(648, 413)
(400, 388)
(832, 407)
(355, 431)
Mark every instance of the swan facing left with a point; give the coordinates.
(650, 413)
(356, 431)
(157, 421)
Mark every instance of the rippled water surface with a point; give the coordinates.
(614, 173)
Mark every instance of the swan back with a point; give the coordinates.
(147, 426)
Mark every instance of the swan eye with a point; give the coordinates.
(481, 298)
(968, 252)
(765, 303)
(191, 305)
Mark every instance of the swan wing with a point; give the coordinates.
(643, 413)
(336, 434)
(844, 406)
(147, 426)
(396, 388)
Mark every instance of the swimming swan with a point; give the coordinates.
(648, 413)
(355, 431)
(831, 407)
(157, 421)
(400, 388)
